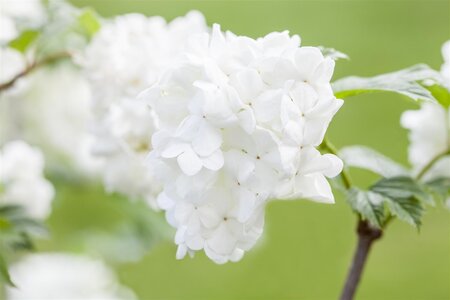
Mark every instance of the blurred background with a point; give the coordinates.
(306, 247)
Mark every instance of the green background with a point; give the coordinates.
(306, 247)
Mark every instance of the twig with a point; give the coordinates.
(32, 67)
(431, 163)
(366, 236)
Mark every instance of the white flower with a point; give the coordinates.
(63, 276)
(15, 15)
(238, 121)
(22, 182)
(429, 131)
(127, 55)
(51, 109)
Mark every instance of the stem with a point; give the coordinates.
(366, 236)
(32, 67)
(328, 146)
(431, 163)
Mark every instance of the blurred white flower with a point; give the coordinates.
(63, 276)
(21, 179)
(16, 15)
(51, 108)
(126, 56)
(429, 128)
(429, 134)
(238, 121)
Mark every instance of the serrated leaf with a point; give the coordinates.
(402, 187)
(4, 274)
(369, 205)
(440, 188)
(333, 53)
(409, 210)
(89, 22)
(369, 159)
(404, 198)
(24, 40)
(405, 82)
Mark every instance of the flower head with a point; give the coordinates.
(16, 14)
(429, 129)
(238, 123)
(63, 276)
(21, 179)
(126, 56)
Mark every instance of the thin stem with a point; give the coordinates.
(328, 146)
(431, 163)
(32, 67)
(366, 236)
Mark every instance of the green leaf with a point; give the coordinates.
(402, 187)
(369, 159)
(4, 274)
(440, 188)
(89, 22)
(369, 205)
(24, 40)
(440, 93)
(404, 197)
(409, 210)
(405, 82)
(10, 210)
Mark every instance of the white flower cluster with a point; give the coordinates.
(21, 179)
(430, 129)
(126, 56)
(50, 108)
(238, 122)
(54, 113)
(15, 14)
(429, 135)
(62, 276)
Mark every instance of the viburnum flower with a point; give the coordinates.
(63, 276)
(429, 130)
(238, 123)
(15, 15)
(21, 179)
(52, 111)
(125, 57)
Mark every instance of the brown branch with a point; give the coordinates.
(366, 236)
(32, 67)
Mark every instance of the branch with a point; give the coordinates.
(32, 67)
(431, 163)
(366, 236)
